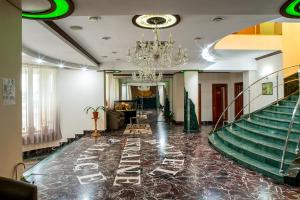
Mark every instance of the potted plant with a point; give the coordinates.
(95, 110)
(170, 117)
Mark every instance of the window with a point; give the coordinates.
(39, 110)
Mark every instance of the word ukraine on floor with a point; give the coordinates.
(129, 170)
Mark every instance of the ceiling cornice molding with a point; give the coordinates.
(269, 55)
(53, 27)
(54, 61)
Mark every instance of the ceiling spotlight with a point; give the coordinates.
(94, 18)
(106, 38)
(39, 61)
(198, 38)
(61, 65)
(217, 19)
(84, 69)
(76, 28)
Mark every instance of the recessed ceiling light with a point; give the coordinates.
(61, 65)
(94, 18)
(106, 38)
(84, 69)
(217, 19)
(117, 71)
(198, 38)
(76, 28)
(39, 61)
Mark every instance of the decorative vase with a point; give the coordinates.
(95, 117)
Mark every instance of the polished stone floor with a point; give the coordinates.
(165, 165)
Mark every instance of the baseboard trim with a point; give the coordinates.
(178, 122)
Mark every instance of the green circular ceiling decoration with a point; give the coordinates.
(291, 9)
(59, 9)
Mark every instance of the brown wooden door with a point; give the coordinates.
(239, 102)
(219, 102)
(199, 104)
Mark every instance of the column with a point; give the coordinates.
(10, 62)
(191, 104)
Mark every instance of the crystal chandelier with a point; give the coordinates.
(147, 75)
(157, 53)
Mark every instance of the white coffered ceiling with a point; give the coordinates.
(115, 22)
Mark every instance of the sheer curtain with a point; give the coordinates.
(40, 122)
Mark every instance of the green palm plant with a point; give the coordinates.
(95, 110)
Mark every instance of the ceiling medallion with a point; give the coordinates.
(291, 9)
(59, 9)
(152, 21)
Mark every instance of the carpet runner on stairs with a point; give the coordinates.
(258, 142)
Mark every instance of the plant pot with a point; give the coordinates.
(96, 115)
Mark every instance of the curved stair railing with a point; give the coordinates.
(248, 89)
(288, 135)
(294, 80)
(251, 100)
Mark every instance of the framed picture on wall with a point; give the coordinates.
(9, 91)
(267, 88)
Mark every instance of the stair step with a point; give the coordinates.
(265, 145)
(280, 108)
(244, 148)
(273, 129)
(277, 121)
(279, 114)
(293, 97)
(288, 102)
(267, 136)
(245, 160)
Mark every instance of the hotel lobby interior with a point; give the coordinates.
(149, 100)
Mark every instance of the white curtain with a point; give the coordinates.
(40, 122)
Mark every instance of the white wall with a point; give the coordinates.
(10, 67)
(76, 90)
(264, 67)
(178, 97)
(207, 80)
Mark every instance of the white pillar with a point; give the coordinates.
(191, 101)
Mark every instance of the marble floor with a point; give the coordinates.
(165, 165)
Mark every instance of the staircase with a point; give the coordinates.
(258, 142)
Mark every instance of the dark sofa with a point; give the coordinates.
(17, 190)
